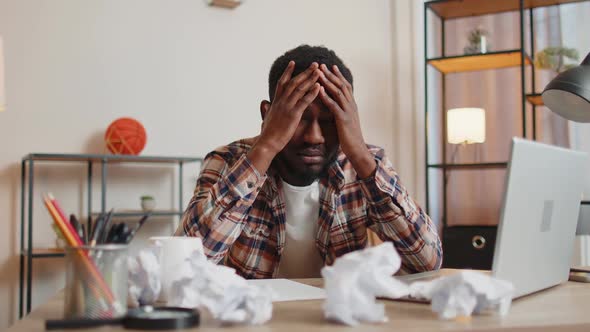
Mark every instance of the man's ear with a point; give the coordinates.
(264, 107)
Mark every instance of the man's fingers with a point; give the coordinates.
(331, 88)
(284, 79)
(297, 80)
(302, 89)
(338, 87)
(343, 79)
(309, 97)
(330, 103)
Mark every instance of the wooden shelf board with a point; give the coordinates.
(464, 63)
(450, 9)
(225, 3)
(535, 99)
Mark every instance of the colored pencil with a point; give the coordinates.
(74, 240)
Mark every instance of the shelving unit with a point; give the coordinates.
(444, 11)
(457, 240)
(28, 163)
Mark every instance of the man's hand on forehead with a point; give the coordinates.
(336, 94)
(281, 117)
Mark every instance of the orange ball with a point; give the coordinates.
(125, 136)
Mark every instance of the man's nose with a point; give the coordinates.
(313, 133)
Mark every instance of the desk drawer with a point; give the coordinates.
(469, 247)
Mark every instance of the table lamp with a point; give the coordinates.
(568, 95)
(466, 125)
(2, 90)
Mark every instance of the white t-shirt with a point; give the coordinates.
(300, 258)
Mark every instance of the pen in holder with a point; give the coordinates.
(96, 281)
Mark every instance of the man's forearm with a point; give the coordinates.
(363, 162)
(396, 217)
(220, 204)
(261, 156)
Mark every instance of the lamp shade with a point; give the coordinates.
(466, 125)
(2, 89)
(568, 94)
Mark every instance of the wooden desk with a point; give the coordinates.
(562, 308)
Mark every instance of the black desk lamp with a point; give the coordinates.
(568, 95)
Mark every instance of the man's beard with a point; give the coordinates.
(307, 174)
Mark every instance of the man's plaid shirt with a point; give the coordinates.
(240, 214)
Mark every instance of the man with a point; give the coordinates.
(306, 190)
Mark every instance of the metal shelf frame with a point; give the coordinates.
(28, 163)
(525, 60)
(446, 10)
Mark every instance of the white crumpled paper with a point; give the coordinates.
(196, 283)
(354, 281)
(465, 293)
(229, 298)
(143, 278)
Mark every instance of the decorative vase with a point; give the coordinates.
(148, 203)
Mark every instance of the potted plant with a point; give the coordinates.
(554, 58)
(148, 203)
(478, 41)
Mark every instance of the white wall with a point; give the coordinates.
(193, 75)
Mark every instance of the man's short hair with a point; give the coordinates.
(304, 56)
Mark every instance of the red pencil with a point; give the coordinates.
(62, 215)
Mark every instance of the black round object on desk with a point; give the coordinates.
(163, 318)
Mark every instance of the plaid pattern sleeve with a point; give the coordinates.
(395, 217)
(227, 186)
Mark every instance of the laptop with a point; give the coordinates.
(535, 239)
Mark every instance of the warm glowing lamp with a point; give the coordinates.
(466, 125)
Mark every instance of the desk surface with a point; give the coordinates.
(566, 306)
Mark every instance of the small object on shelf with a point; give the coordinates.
(554, 58)
(125, 136)
(224, 3)
(478, 42)
(148, 203)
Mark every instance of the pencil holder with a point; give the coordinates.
(96, 281)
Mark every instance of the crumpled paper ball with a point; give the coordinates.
(465, 293)
(227, 296)
(356, 279)
(143, 278)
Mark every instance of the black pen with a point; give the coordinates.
(131, 234)
(99, 227)
(92, 232)
(78, 228)
(114, 232)
(107, 225)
